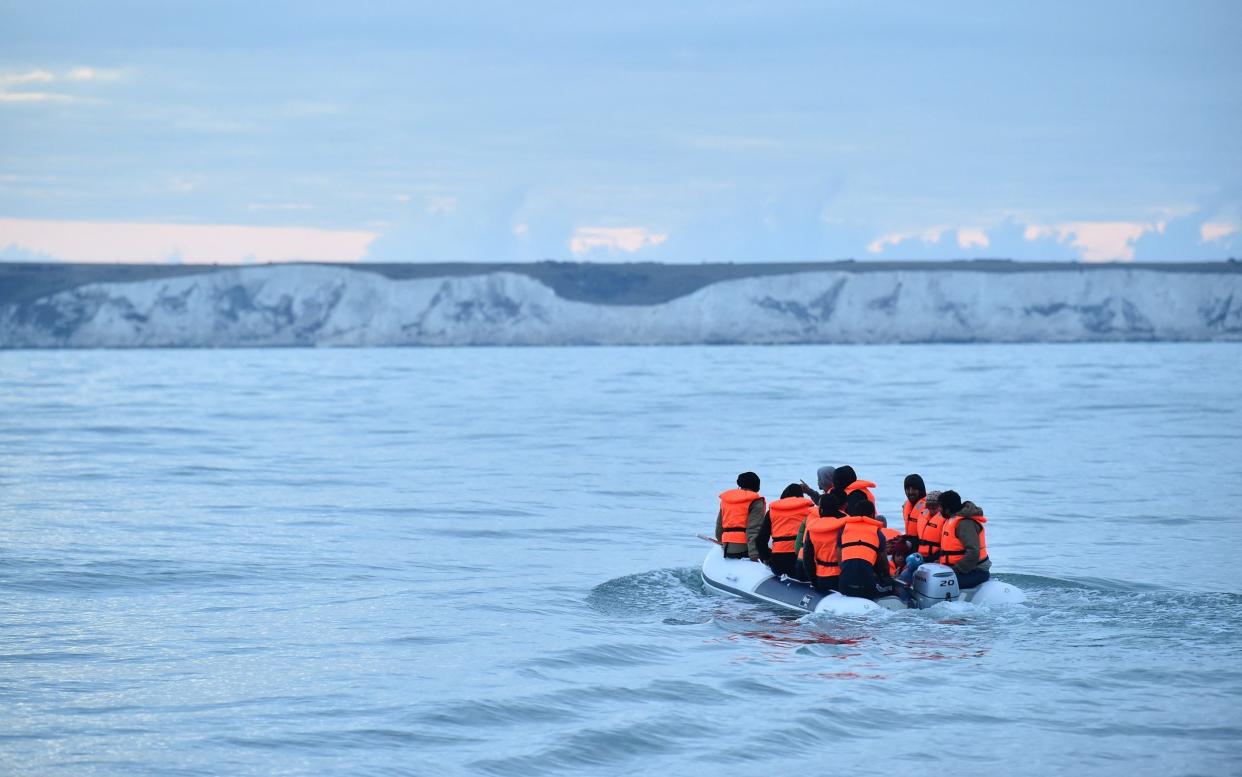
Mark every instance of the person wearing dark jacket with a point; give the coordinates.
(914, 510)
(864, 563)
(819, 564)
(827, 506)
(784, 523)
(847, 486)
(739, 521)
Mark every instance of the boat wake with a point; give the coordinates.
(678, 595)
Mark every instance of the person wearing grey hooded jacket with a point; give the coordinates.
(823, 477)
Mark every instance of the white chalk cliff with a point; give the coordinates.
(334, 306)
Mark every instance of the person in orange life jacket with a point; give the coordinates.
(740, 519)
(914, 515)
(845, 482)
(928, 545)
(916, 545)
(861, 548)
(915, 507)
(828, 505)
(963, 542)
(823, 477)
(819, 564)
(785, 520)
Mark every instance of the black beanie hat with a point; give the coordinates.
(950, 502)
(842, 477)
(748, 481)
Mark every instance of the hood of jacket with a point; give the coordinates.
(970, 510)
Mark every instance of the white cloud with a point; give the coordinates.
(107, 241)
(1098, 241)
(33, 97)
(930, 235)
(29, 77)
(1215, 230)
(1094, 241)
(10, 81)
(92, 74)
(613, 239)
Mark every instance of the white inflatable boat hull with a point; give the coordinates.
(754, 581)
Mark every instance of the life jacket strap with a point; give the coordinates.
(863, 543)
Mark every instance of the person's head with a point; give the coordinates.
(842, 477)
(823, 476)
(932, 502)
(853, 498)
(861, 507)
(748, 481)
(830, 505)
(915, 489)
(793, 489)
(950, 502)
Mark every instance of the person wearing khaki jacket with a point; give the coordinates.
(739, 521)
(969, 554)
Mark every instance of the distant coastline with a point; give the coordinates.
(635, 283)
(553, 303)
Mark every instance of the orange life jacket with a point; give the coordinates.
(838, 540)
(915, 515)
(929, 536)
(787, 515)
(861, 538)
(864, 486)
(951, 548)
(734, 510)
(823, 531)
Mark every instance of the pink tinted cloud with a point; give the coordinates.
(929, 235)
(614, 239)
(1098, 241)
(969, 237)
(109, 241)
(1215, 230)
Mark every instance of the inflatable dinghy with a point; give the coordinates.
(933, 584)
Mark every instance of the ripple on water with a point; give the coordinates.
(54, 576)
(605, 746)
(552, 708)
(616, 654)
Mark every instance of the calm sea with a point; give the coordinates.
(483, 561)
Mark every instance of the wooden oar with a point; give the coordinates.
(709, 539)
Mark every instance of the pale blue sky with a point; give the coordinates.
(738, 131)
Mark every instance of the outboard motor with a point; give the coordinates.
(933, 584)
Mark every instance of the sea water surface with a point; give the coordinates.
(483, 561)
